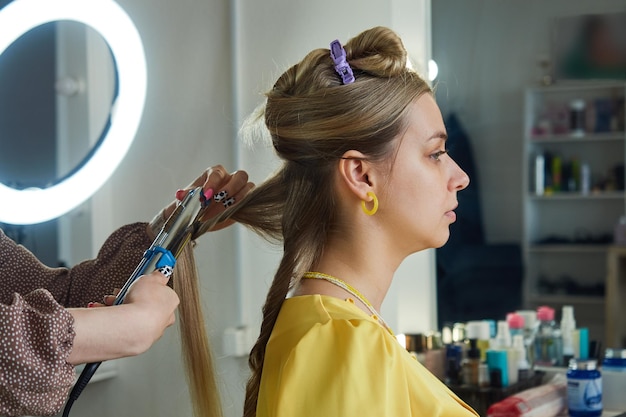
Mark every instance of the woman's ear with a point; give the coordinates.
(356, 173)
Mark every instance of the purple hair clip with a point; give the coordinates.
(338, 54)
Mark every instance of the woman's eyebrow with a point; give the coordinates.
(439, 135)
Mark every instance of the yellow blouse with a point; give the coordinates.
(326, 358)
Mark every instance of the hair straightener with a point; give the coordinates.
(162, 253)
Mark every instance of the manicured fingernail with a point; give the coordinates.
(90, 305)
(166, 270)
(220, 196)
(229, 202)
(208, 193)
(180, 194)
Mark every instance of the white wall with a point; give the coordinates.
(198, 93)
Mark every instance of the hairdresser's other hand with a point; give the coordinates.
(107, 300)
(228, 189)
(127, 329)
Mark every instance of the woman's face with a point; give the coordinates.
(420, 195)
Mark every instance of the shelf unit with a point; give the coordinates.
(569, 220)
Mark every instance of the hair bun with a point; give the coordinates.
(378, 51)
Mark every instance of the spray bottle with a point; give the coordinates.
(568, 325)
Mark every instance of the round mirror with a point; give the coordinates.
(38, 203)
(57, 84)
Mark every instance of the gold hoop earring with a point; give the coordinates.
(374, 209)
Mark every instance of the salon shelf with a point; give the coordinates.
(569, 139)
(576, 229)
(594, 195)
(565, 299)
(568, 248)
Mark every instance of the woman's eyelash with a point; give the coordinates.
(437, 154)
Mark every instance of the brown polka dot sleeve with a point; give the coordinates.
(36, 332)
(35, 339)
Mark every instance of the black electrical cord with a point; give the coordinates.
(80, 385)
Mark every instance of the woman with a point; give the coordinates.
(366, 181)
(41, 341)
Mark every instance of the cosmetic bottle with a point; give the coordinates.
(540, 174)
(458, 333)
(614, 379)
(416, 345)
(530, 328)
(523, 366)
(516, 324)
(584, 389)
(512, 362)
(454, 358)
(577, 117)
(548, 343)
(492, 328)
(471, 365)
(446, 333)
(481, 331)
(568, 325)
(503, 336)
(583, 342)
(483, 375)
(497, 364)
(435, 355)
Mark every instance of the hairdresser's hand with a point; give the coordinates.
(155, 304)
(127, 329)
(228, 189)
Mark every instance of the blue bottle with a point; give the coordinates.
(454, 357)
(584, 388)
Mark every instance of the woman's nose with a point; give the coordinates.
(460, 179)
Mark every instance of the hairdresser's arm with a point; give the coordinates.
(21, 272)
(128, 329)
(117, 258)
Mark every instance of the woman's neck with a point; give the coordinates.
(362, 267)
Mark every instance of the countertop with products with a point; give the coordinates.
(604, 414)
(550, 371)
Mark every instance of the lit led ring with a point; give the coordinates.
(115, 26)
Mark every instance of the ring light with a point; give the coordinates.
(31, 206)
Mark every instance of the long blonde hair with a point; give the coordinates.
(313, 119)
(197, 355)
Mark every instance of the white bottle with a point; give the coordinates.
(568, 325)
(530, 328)
(614, 379)
(502, 340)
(540, 174)
(523, 366)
